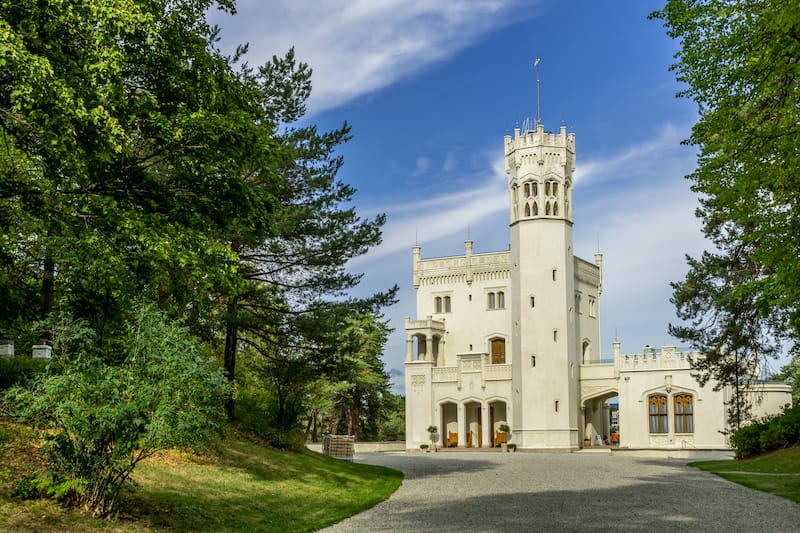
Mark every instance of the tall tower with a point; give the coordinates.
(545, 358)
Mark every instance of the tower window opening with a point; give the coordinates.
(527, 187)
(547, 208)
(501, 300)
(547, 188)
(438, 304)
(556, 406)
(490, 300)
(533, 302)
(535, 209)
(470, 297)
(555, 189)
(447, 307)
(535, 189)
(555, 335)
(527, 209)
(555, 274)
(555, 209)
(533, 361)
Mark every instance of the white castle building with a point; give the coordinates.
(512, 338)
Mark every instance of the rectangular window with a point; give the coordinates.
(501, 300)
(447, 307)
(438, 304)
(490, 301)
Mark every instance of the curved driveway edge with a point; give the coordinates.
(564, 492)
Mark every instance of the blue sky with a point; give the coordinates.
(430, 89)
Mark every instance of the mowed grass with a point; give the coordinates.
(776, 472)
(243, 486)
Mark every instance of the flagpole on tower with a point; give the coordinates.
(538, 92)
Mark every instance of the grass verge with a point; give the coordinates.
(776, 472)
(242, 487)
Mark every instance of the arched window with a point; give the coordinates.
(438, 304)
(555, 209)
(547, 208)
(447, 307)
(587, 352)
(547, 188)
(684, 413)
(535, 209)
(501, 300)
(555, 189)
(535, 189)
(527, 189)
(658, 413)
(490, 300)
(498, 347)
(527, 209)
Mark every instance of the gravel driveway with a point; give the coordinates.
(510, 492)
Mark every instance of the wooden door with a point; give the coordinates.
(498, 352)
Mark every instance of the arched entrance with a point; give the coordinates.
(597, 416)
(474, 424)
(449, 426)
(498, 416)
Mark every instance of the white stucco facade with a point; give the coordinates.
(513, 337)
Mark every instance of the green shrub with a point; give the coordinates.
(19, 369)
(103, 417)
(788, 426)
(746, 441)
(769, 433)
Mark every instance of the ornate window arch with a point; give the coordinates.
(684, 413)
(657, 409)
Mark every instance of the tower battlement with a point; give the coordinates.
(531, 138)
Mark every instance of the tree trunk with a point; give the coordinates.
(231, 344)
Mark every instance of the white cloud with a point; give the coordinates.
(428, 219)
(638, 159)
(360, 46)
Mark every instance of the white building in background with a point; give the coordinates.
(513, 337)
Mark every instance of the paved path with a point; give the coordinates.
(512, 492)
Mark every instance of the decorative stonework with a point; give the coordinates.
(417, 382)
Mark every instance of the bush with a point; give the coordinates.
(767, 434)
(102, 418)
(19, 369)
(746, 441)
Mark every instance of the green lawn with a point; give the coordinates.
(776, 472)
(243, 487)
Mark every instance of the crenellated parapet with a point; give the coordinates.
(462, 269)
(667, 358)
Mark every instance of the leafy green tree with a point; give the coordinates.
(739, 62)
(353, 398)
(99, 420)
(126, 143)
(294, 280)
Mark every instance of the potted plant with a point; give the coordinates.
(433, 431)
(423, 447)
(504, 428)
(512, 447)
